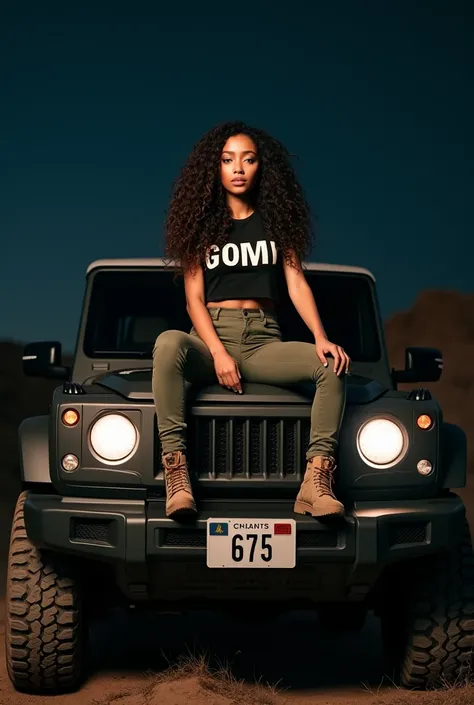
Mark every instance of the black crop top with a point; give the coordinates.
(248, 266)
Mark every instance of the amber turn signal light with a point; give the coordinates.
(424, 422)
(70, 417)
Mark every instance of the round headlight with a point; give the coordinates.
(113, 437)
(381, 442)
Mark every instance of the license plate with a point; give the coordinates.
(251, 543)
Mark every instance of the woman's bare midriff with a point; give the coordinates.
(267, 304)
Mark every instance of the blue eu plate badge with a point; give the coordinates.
(218, 529)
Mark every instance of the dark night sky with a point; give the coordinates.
(102, 101)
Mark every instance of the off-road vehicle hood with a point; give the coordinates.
(136, 385)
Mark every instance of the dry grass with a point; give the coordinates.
(218, 681)
(196, 681)
(449, 696)
(461, 692)
(221, 682)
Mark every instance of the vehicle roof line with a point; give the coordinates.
(161, 262)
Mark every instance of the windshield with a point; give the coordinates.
(128, 309)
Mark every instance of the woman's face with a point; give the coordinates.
(239, 165)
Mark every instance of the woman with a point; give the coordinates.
(238, 226)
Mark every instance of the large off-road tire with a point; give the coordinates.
(44, 630)
(428, 619)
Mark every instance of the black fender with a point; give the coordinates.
(34, 450)
(453, 456)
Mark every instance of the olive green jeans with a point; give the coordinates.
(253, 339)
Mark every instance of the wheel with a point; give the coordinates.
(45, 630)
(342, 617)
(427, 619)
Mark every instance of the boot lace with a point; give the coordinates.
(323, 482)
(177, 479)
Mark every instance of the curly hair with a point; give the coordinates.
(199, 217)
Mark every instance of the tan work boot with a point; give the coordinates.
(179, 495)
(316, 496)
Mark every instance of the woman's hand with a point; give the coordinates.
(342, 360)
(227, 371)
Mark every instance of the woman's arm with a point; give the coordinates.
(302, 297)
(303, 300)
(227, 370)
(198, 312)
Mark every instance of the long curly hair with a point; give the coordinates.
(199, 217)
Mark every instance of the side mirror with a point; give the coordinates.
(44, 360)
(421, 365)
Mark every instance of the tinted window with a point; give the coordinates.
(129, 309)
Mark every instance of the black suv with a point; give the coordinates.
(90, 528)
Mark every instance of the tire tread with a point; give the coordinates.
(438, 620)
(45, 631)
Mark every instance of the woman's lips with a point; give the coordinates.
(239, 182)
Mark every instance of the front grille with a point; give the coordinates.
(91, 530)
(410, 532)
(186, 538)
(248, 448)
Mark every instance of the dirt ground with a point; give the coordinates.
(131, 654)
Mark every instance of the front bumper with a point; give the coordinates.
(135, 532)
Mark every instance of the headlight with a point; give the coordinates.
(381, 442)
(113, 438)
